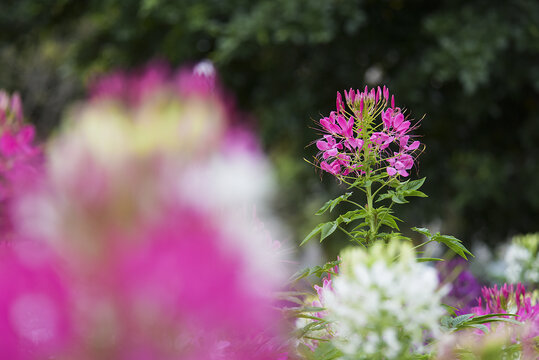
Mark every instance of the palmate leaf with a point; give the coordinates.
(453, 243)
(422, 231)
(450, 241)
(328, 228)
(404, 189)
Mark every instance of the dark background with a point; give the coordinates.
(472, 67)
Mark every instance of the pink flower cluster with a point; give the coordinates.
(510, 299)
(134, 87)
(356, 141)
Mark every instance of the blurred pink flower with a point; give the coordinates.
(139, 199)
(35, 318)
(20, 158)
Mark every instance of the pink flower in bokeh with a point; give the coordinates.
(140, 199)
(20, 157)
(35, 319)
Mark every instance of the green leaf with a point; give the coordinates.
(315, 231)
(301, 274)
(414, 193)
(394, 183)
(450, 309)
(422, 231)
(455, 322)
(313, 309)
(387, 195)
(389, 220)
(453, 243)
(330, 204)
(429, 259)
(412, 185)
(481, 327)
(399, 199)
(473, 321)
(351, 216)
(315, 270)
(363, 224)
(450, 241)
(358, 183)
(328, 229)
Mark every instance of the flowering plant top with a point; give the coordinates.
(367, 135)
(367, 144)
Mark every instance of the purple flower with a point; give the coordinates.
(465, 288)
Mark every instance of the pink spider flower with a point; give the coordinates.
(328, 123)
(332, 168)
(399, 164)
(382, 139)
(403, 142)
(367, 131)
(330, 147)
(514, 300)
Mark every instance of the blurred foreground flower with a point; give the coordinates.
(153, 202)
(521, 260)
(465, 288)
(20, 157)
(383, 302)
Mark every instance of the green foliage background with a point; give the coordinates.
(471, 66)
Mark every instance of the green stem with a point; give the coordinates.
(352, 237)
(381, 187)
(355, 203)
(370, 211)
(422, 244)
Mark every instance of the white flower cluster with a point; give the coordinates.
(521, 259)
(383, 303)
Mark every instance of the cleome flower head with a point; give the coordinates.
(512, 300)
(383, 302)
(366, 134)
